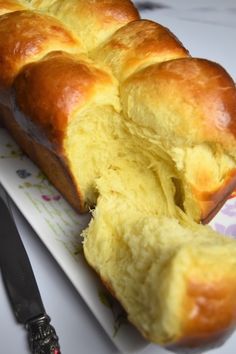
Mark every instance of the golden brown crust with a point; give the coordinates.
(68, 82)
(137, 45)
(107, 12)
(7, 6)
(50, 163)
(34, 36)
(112, 11)
(209, 310)
(93, 20)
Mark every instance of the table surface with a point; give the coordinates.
(208, 29)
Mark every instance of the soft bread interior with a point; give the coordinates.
(107, 158)
(97, 146)
(199, 171)
(165, 271)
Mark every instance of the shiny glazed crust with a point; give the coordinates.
(137, 45)
(37, 35)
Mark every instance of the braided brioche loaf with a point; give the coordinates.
(117, 114)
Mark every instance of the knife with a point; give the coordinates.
(22, 288)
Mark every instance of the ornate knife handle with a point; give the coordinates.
(42, 336)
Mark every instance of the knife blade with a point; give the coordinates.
(21, 286)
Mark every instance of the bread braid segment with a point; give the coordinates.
(34, 36)
(137, 45)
